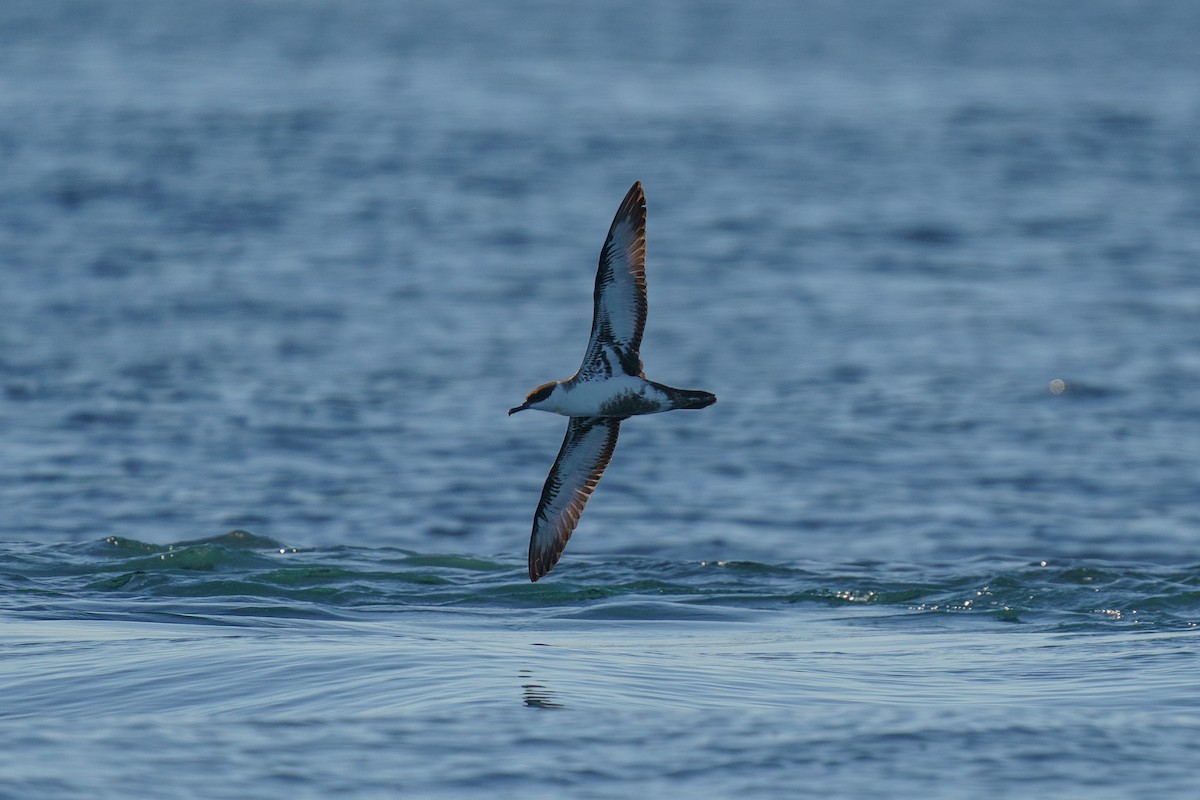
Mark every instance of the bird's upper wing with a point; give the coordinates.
(584, 454)
(620, 298)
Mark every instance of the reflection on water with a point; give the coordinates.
(536, 695)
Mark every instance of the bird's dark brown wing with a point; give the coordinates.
(585, 452)
(619, 313)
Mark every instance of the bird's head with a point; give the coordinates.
(537, 398)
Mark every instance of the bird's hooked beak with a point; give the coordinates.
(521, 407)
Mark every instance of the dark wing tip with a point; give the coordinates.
(634, 205)
(543, 560)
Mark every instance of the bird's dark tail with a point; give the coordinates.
(691, 398)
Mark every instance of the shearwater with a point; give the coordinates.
(608, 387)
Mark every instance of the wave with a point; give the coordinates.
(227, 578)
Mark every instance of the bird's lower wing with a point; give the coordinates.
(585, 452)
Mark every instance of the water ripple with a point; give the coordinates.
(240, 574)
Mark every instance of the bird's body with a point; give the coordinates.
(608, 388)
(617, 396)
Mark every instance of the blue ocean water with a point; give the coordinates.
(272, 272)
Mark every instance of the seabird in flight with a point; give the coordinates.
(608, 387)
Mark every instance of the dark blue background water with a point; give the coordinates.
(281, 267)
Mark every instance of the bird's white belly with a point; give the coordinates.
(596, 398)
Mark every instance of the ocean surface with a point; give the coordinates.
(272, 272)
